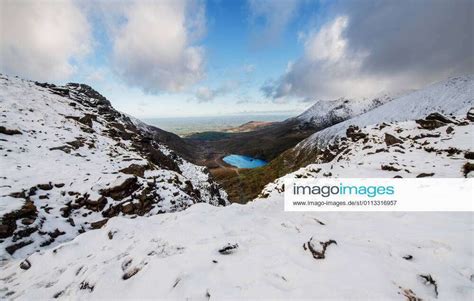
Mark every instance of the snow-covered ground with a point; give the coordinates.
(327, 112)
(399, 149)
(453, 96)
(177, 256)
(259, 251)
(75, 161)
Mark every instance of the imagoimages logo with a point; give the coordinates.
(343, 189)
(379, 194)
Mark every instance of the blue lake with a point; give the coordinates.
(243, 161)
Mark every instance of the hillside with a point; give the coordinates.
(258, 250)
(325, 113)
(70, 162)
(452, 96)
(271, 143)
(248, 127)
(270, 140)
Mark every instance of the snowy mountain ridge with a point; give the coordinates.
(70, 162)
(325, 113)
(451, 97)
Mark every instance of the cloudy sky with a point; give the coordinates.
(190, 57)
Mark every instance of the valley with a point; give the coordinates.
(271, 142)
(130, 200)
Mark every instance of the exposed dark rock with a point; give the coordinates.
(5, 131)
(58, 294)
(65, 211)
(86, 286)
(354, 133)
(123, 190)
(111, 234)
(9, 224)
(390, 139)
(56, 233)
(469, 155)
(45, 85)
(467, 168)
(95, 205)
(452, 151)
(92, 97)
(64, 148)
(157, 157)
(24, 232)
(27, 221)
(19, 195)
(87, 119)
(130, 273)
(429, 124)
(440, 117)
(135, 169)
(427, 135)
(389, 168)
(428, 280)
(76, 144)
(318, 254)
(48, 186)
(99, 224)
(5, 231)
(470, 114)
(128, 208)
(60, 91)
(229, 249)
(408, 257)
(13, 248)
(25, 264)
(425, 175)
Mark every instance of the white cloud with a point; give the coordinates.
(153, 47)
(367, 48)
(328, 43)
(42, 40)
(326, 70)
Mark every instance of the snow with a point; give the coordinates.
(377, 256)
(55, 148)
(453, 96)
(382, 256)
(8, 204)
(442, 156)
(323, 111)
(177, 256)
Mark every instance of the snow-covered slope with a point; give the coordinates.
(399, 149)
(326, 113)
(453, 96)
(259, 251)
(69, 161)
